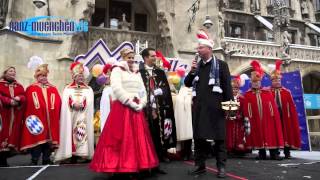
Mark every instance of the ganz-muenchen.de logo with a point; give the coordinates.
(49, 26)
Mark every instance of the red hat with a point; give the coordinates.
(165, 62)
(236, 81)
(203, 38)
(257, 71)
(276, 74)
(76, 68)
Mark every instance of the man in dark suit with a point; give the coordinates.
(159, 108)
(211, 82)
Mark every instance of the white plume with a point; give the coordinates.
(243, 78)
(34, 62)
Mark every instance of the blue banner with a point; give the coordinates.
(291, 81)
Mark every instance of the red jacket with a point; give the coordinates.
(42, 116)
(266, 128)
(289, 119)
(10, 116)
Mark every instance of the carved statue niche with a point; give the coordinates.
(286, 39)
(87, 13)
(3, 12)
(255, 5)
(124, 24)
(221, 26)
(304, 9)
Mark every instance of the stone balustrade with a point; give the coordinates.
(271, 50)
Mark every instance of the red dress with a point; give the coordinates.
(42, 116)
(235, 132)
(10, 117)
(125, 144)
(266, 129)
(289, 118)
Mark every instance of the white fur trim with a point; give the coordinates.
(207, 42)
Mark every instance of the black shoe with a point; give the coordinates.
(46, 162)
(34, 163)
(165, 159)
(221, 173)
(4, 163)
(159, 171)
(287, 156)
(198, 171)
(276, 157)
(261, 157)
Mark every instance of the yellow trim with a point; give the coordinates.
(271, 109)
(250, 110)
(52, 98)
(288, 109)
(35, 100)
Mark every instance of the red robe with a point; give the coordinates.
(42, 116)
(266, 129)
(235, 138)
(10, 116)
(289, 118)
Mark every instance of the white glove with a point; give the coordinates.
(132, 104)
(139, 108)
(158, 92)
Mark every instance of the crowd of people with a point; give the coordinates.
(140, 121)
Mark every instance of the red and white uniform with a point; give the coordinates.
(76, 126)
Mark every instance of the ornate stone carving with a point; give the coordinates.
(304, 9)
(124, 24)
(255, 5)
(79, 44)
(285, 40)
(165, 32)
(264, 50)
(3, 12)
(114, 37)
(221, 25)
(87, 13)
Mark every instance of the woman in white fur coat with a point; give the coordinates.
(125, 144)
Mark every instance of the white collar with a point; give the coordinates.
(149, 67)
(208, 60)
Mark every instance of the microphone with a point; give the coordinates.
(196, 58)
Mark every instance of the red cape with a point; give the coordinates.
(11, 117)
(42, 116)
(266, 132)
(290, 121)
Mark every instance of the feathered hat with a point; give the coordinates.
(36, 63)
(276, 73)
(257, 72)
(236, 81)
(165, 62)
(76, 68)
(203, 38)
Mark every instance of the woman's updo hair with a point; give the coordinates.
(125, 52)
